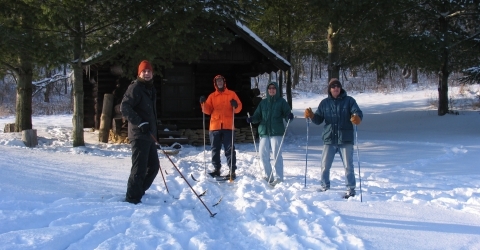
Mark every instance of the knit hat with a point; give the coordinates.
(144, 65)
(334, 81)
(217, 77)
(215, 82)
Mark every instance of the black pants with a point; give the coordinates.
(145, 166)
(217, 139)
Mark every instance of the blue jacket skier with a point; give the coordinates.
(339, 112)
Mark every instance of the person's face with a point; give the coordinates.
(219, 82)
(146, 75)
(272, 90)
(335, 90)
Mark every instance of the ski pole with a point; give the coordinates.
(278, 152)
(231, 147)
(160, 166)
(306, 152)
(358, 158)
(185, 179)
(253, 137)
(204, 147)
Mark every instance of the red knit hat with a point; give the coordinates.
(144, 65)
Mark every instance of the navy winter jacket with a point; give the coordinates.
(336, 113)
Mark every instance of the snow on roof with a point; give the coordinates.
(260, 41)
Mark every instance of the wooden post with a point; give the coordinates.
(106, 118)
(9, 127)
(29, 137)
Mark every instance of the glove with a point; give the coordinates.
(202, 99)
(309, 113)
(290, 116)
(233, 103)
(144, 127)
(355, 119)
(249, 119)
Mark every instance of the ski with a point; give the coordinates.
(218, 202)
(193, 178)
(202, 194)
(346, 195)
(218, 179)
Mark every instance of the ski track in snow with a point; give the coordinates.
(287, 216)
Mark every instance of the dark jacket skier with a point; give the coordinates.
(139, 108)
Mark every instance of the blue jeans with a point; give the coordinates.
(217, 139)
(346, 154)
(271, 144)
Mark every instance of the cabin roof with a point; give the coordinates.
(249, 36)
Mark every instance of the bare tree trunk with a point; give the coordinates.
(312, 68)
(280, 78)
(333, 56)
(78, 94)
(443, 74)
(296, 74)
(320, 69)
(380, 75)
(288, 76)
(414, 75)
(65, 81)
(23, 117)
(48, 87)
(289, 88)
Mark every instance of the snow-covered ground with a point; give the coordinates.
(420, 188)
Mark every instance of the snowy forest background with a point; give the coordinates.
(53, 96)
(45, 46)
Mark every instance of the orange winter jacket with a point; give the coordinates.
(220, 110)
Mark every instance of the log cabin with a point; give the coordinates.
(179, 87)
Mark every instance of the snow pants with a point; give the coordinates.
(145, 166)
(217, 139)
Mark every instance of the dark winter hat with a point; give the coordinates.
(144, 65)
(334, 82)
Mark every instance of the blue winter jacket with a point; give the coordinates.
(336, 113)
(270, 113)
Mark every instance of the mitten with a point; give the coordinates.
(355, 119)
(233, 103)
(202, 99)
(290, 116)
(309, 113)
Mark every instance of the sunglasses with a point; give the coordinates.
(335, 86)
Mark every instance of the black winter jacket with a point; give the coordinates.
(138, 106)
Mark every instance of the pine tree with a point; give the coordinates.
(442, 38)
(24, 43)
